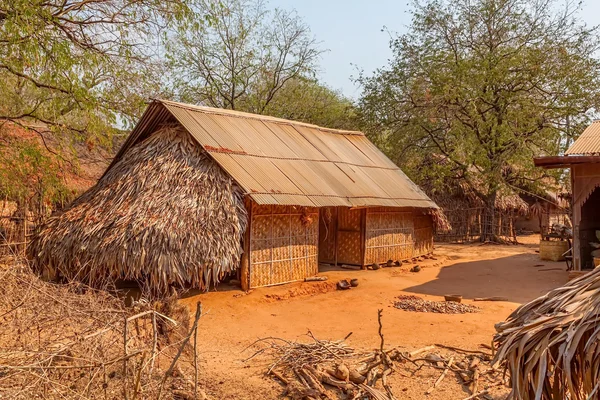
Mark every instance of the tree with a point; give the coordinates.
(79, 63)
(76, 69)
(307, 100)
(242, 57)
(476, 88)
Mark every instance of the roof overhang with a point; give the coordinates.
(551, 162)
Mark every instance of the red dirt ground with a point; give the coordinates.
(233, 320)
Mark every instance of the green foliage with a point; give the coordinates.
(28, 174)
(309, 101)
(78, 68)
(477, 88)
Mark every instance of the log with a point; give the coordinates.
(315, 279)
(475, 380)
(493, 298)
(474, 396)
(441, 378)
(421, 350)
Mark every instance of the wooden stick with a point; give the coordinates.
(315, 279)
(183, 344)
(125, 359)
(154, 343)
(443, 346)
(421, 350)
(493, 298)
(475, 380)
(473, 396)
(196, 362)
(380, 334)
(442, 376)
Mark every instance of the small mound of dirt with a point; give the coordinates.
(304, 289)
(417, 304)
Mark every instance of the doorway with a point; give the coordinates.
(341, 235)
(590, 223)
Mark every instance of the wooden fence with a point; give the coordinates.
(469, 224)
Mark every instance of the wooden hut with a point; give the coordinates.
(196, 192)
(583, 159)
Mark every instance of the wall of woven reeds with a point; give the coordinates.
(283, 244)
(350, 236)
(16, 229)
(423, 234)
(396, 234)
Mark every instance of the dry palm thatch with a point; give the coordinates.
(164, 214)
(440, 221)
(551, 345)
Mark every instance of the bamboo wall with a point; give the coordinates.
(283, 244)
(396, 234)
(350, 228)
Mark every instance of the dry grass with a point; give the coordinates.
(551, 345)
(164, 214)
(72, 342)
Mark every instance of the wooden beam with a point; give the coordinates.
(246, 259)
(551, 162)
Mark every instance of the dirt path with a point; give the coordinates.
(234, 320)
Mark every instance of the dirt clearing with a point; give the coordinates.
(235, 320)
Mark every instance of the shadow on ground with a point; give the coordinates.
(519, 278)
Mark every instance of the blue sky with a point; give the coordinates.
(351, 31)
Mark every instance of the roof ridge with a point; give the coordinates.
(259, 117)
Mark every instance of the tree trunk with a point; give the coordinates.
(488, 233)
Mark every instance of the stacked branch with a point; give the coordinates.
(72, 341)
(323, 369)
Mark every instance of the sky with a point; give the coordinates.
(351, 31)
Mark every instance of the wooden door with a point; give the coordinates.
(327, 234)
(350, 236)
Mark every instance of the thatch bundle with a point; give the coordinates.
(164, 214)
(551, 345)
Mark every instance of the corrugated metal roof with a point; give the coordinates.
(278, 161)
(588, 143)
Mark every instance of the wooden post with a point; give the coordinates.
(363, 238)
(246, 258)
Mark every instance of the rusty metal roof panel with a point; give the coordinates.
(284, 199)
(588, 143)
(284, 162)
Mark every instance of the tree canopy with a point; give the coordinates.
(76, 68)
(242, 57)
(476, 88)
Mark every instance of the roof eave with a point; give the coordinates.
(553, 162)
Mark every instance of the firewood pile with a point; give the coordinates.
(323, 369)
(417, 304)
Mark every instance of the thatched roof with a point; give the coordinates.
(164, 213)
(551, 345)
(457, 200)
(277, 161)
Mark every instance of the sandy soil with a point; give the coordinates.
(233, 320)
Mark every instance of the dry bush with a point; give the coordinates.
(70, 341)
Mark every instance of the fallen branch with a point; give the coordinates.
(442, 376)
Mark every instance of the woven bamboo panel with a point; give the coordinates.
(391, 234)
(262, 226)
(423, 235)
(258, 209)
(349, 236)
(284, 244)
